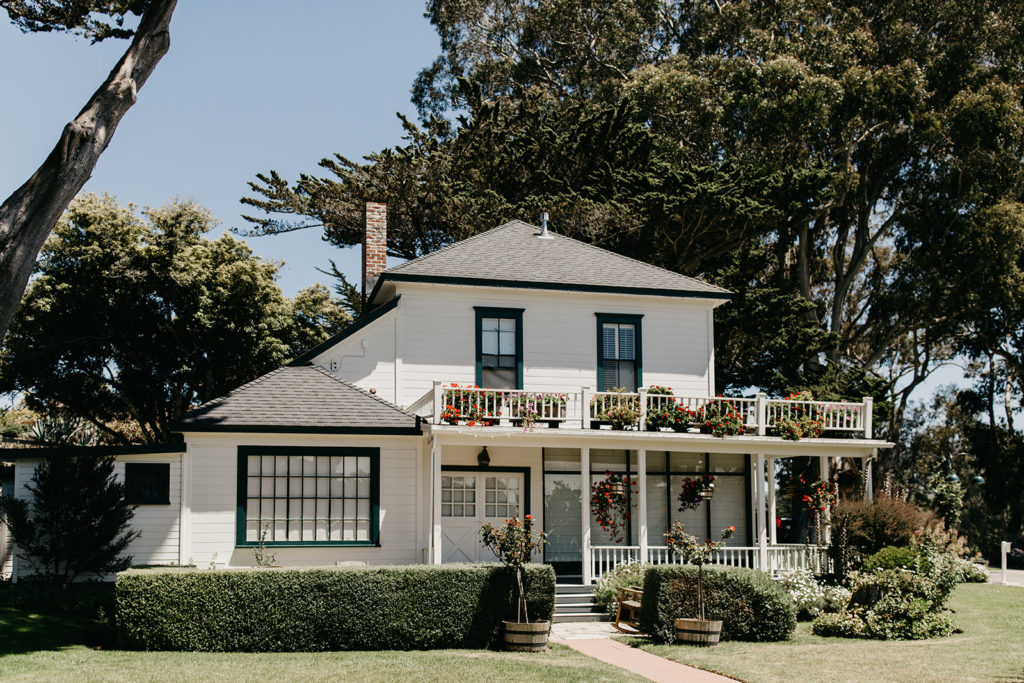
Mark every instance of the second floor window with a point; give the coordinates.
(499, 348)
(618, 350)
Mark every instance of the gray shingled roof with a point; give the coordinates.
(299, 399)
(513, 253)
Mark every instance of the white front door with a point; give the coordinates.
(468, 499)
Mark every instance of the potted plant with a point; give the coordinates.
(666, 412)
(513, 543)
(465, 404)
(798, 423)
(697, 631)
(618, 411)
(695, 491)
(528, 409)
(611, 503)
(720, 418)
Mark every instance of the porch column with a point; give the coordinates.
(762, 535)
(641, 518)
(585, 512)
(435, 501)
(772, 535)
(869, 485)
(823, 469)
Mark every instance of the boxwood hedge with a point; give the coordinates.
(284, 610)
(750, 605)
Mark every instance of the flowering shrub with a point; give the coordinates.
(721, 418)
(694, 552)
(817, 496)
(811, 597)
(610, 503)
(969, 572)
(796, 428)
(606, 592)
(690, 496)
(668, 412)
(513, 544)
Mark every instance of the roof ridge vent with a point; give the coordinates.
(544, 235)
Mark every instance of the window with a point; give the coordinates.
(458, 496)
(147, 483)
(501, 496)
(499, 348)
(618, 352)
(308, 496)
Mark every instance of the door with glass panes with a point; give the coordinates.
(470, 498)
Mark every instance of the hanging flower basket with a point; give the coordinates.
(696, 490)
(611, 504)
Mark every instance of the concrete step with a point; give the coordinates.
(577, 617)
(572, 588)
(574, 597)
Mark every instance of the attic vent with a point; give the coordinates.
(544, 226)
(333, 365)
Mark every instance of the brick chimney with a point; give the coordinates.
(375, 244)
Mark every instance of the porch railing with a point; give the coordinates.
(584, 409)
(604, 558)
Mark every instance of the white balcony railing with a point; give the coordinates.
(585, 409)
(604, 558)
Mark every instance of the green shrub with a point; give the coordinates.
(969, 572)
(891, 557)
(606, 592)
(903, 605)
(750, 605)
(284, 610)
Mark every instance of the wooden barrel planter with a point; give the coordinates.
(699, 632)
(529, 637)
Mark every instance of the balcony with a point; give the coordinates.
(652, 409)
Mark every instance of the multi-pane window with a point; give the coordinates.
(309, 495)
(501, 496)
(618, 356)
(498, 352)
(458, 496)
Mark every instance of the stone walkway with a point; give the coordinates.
(639, 662)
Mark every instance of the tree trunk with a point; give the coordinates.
(28, 215)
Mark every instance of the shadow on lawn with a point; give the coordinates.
(27, 631)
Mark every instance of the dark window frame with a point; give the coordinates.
(509, 313)
(346, 451)
(132, 470)
(621, 318)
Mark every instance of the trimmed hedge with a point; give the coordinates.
(303, 610)
(751, 606)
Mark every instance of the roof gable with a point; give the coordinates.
(513, 255)
(299, 399)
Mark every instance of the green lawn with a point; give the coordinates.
(991, 647)
(45, 648)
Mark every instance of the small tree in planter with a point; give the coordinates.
(697, 631)
(513, 543)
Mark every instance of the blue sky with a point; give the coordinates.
(246, 87)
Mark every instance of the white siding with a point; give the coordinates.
(559, 337)
(214, 462)
(159, 524)
(6, 548)
(371, 366)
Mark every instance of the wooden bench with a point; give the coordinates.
(627, 616)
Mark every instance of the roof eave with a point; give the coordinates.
(721, 295)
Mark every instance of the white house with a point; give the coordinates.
(352, 451)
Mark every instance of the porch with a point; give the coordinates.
(552, 463)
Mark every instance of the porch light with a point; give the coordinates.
(482, 458)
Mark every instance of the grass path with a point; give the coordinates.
(991, 648)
